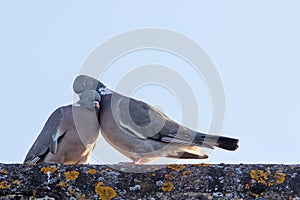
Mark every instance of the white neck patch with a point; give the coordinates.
(76, 104)
(105, 91)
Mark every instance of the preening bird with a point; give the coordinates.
(70, 133)
(143, 133)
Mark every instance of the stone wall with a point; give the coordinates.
(195, 181)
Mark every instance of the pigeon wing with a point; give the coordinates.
(47, 139)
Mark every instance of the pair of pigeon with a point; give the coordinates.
(135, 128)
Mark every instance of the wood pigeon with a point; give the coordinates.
(143, 133)
(70, 133)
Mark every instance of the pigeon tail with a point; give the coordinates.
(222, 142)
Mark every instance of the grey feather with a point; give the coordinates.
(141, 132)
(45, 139)
(69, 134)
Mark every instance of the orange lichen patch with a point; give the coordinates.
(92, 171)
(71, 191)
(185, 173)
(271, 183)
(255, 195)
(153, 174)
(100, 184)
(72, 175)
(247, 186)
(168, 177)
(202, 165)
(16, 182)
(82, 196)
(167, 187)
(63, 184)
(176, 167)
(262, 181)
(4, 185)
(4, 171)
(51, 169)
(279, 177)
(262, 177)
(105, 192)
(259, 175)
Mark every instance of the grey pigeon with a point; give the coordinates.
(70, 133)
(143, 133)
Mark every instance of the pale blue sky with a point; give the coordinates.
(254, 45)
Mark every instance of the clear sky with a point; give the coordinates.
(254, 45)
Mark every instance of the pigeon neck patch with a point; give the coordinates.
(76, 104)
(104, 91)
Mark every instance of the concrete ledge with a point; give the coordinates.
(198, 181)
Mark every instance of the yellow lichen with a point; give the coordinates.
(247, 186)
(16, 182)
(266, 178)
(82, 196)
(263, 177)
(71, 191)
(168, 177)
(153, 174)
(92, 171)
(185, 173)
(167, 187)
(255, 195)
(51, 169)
(259, 174)
(63, 184)
(4, 171)
(100, 184)
(71, 175)
(279, 177)
(197, 180)
(262, 181)
(4, 185)
(105, 192)
(271, 183)
(176, 167)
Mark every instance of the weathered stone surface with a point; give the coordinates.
(200, 181)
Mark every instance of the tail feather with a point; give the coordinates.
(222, 142)
(226, 143)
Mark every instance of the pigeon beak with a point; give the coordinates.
(97, 104)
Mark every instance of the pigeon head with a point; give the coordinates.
(90, 99)
(84, 82)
